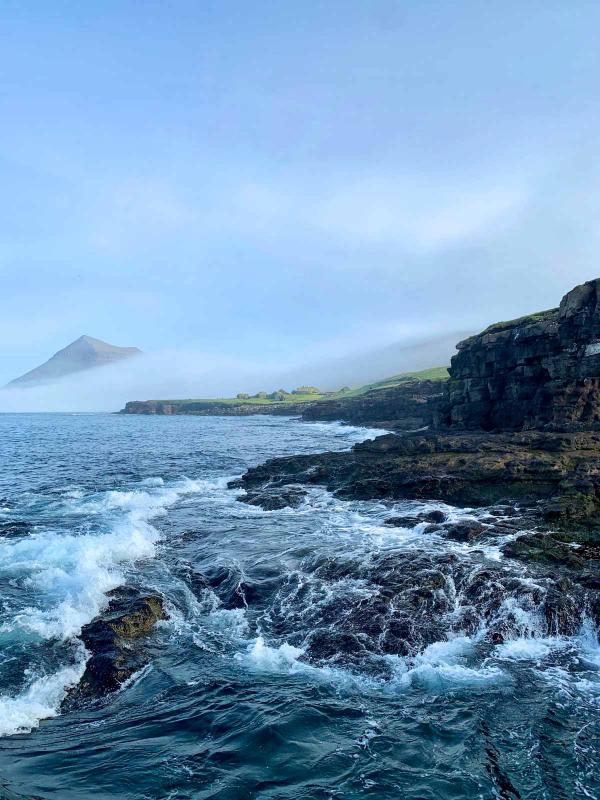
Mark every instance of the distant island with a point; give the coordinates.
(84, 353)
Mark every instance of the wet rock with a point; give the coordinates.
(410, 520)
(275, 499)
(544, 549)
(465, 531)
(562, 610)
(432, 529)
(402, 522)
(112, 640)
(540, 470)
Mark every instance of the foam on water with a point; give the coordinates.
(275, 659)
(353, 434)
(529, 649)
(68, 577)
(440, 666)
(41, 699)
(437, 668)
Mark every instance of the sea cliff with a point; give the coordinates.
(515, 425)
(538, 372)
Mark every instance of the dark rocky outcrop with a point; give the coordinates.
(541, 371)
(113, 641)
(410, 521)
(409, 406)
(275, 499)
(560, 471)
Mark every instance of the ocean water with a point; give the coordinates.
(309, 653)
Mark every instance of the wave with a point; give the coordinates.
(68, 577)
(41, 699)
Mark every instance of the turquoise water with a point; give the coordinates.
(310, 653)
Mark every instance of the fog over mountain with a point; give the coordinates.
(83, 354)
(290, 184)
(166, 374)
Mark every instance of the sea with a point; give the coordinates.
(309, 653)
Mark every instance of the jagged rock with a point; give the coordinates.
(544, 549)
(468, 469)
(111, 640)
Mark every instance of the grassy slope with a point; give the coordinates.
(432, 374)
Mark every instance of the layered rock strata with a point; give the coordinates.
(541, 371)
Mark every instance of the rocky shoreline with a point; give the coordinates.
(516, 425)
(515, 431)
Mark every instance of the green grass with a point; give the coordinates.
(431, 374)
(540, 316)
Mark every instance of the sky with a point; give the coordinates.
(269, 185)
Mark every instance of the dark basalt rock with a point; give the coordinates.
(576, 552)
(553, 474)
(465, 531)
(112, 641)
(410, 521)
(408, 406)
(275, 499)
(541, 371)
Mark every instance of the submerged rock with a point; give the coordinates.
(14, 529)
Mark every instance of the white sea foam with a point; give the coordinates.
(275, 659)
(439, 667)
(68, 576)
(589, 644)
(41, 699)
(529, 649)
(352, 433)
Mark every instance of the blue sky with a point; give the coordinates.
(290, 181)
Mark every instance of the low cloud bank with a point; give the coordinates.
(185, 374)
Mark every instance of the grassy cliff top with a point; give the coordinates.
(528, 319)
(279, 397)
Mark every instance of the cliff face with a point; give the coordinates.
(409, 406)
(541, 371)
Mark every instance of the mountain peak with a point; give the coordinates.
(84, 353)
